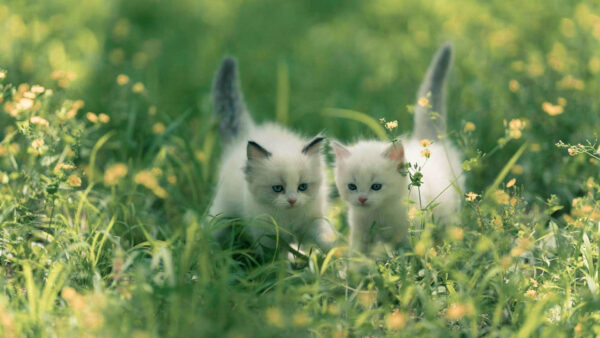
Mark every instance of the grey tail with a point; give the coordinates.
(430, 120)
(230, 109)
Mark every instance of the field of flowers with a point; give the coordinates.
(109, 155)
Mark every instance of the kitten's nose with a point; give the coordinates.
(291, 201)
(362, 200)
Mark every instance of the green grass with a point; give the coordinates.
(115, 241)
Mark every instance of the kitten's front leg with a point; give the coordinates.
(323, 234)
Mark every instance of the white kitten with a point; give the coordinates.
(268, 173)
(368, 175)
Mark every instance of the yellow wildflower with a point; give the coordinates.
(138, 87)
(92, 117)
(423, 102)
(158, 128)
(274, 317)
(471, 197)
(2, 75)
(66, 166)
(39, 121)
(37, 143)
(501, 197)
(395, 320)
(531, 293)
(457, 310)
(570, 82)
(425, 143)
(122, 79)
(456, 233)
(74, 181)
(103, 118)
(37, 89)
(426, 153)
(300, 319)
(551, 109)
(513, 85)
(511, 183)
(469, 126)
(391, 125)
(517, 169)
(561, 101)
(114, 174)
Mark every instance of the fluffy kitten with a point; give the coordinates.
(268, 173)
(368, 175)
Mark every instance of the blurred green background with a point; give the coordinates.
(367, 56)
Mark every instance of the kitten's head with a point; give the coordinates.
(367, 174)
(288, 180)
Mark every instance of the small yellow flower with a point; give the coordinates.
(513, 85)
(551, 109)
(39, 121)
(570, 82)
(104, 118)
(471, 197)
(501, 197)
(66, 166)
(37, 89)
(457, 310)
(531, 293)
(423, 102)
(274, 317)
(469, 126)
(391, 125)
(395, 320)
(74, 181)
(517, 169)
(158, 128)
(426, 153)
(138, 87)
(425, 143)
(37, 143)
(511, 183)
(122, 79)
(2, 75)
(92, 117)
(561, 101)
(24, 104)
(572, 151)
(456, 233)
(114, 174)
(300, 319)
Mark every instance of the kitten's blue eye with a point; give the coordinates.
(277, 188)
(302, 187)
(352, 186)
(376, 186)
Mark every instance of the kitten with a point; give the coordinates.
(268, 173)
(368, 175)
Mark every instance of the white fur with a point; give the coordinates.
(383, 218)
(251, 197)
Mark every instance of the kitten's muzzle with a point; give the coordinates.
(362, 200)
(291, 201)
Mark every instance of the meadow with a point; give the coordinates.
(109, 155)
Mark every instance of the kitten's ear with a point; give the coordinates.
(395, 152)
(339, 150)
(255, 152)
(313, 147)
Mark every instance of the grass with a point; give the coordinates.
(107, 169)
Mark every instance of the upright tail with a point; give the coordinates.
(430, 114)
(230, 109)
